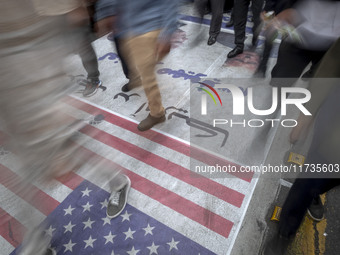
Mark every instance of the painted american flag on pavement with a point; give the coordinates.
(169, 210)
(79, 225)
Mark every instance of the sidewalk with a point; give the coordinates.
(170, 210)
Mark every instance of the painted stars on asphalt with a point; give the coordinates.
(133, 251)
(148, 230)
(49, 231)
(109, 238)
(173, 244)
(68, 227)
(153, 248)
(86, 192)
(69, 246)
(104, 203)
(87, 207)
(129, 234)
(89, 242)
(106, 220)
(125, 216)
(69, 210)
(88, 223)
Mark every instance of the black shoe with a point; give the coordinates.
(230, 23)
(316, 209)
(149, 122)
(127, 87)
(211, 40)
(236, 51)
(276, 246)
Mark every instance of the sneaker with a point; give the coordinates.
(91, 87)
(117, 200)
(149, 122)
(316, 209)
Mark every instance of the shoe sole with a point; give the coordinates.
(316, 219)
(126, 196)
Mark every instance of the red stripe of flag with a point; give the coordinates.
(175, 202)
(159, 138)
(43, 202)
(181, 205)
(11, 229)
(71, 180)
(209, 186)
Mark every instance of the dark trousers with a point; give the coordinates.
(270, 35)
(292, 60)
(228, 5)
(121, 56)
(88, 55)
(304, 190)
(86, 52)
(240, 19)
(298, 200)
(268, 46)
(216, 14)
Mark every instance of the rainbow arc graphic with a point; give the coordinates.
(209, 93)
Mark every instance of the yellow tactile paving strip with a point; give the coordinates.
(310, 239)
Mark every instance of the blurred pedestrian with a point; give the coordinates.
(216, 7)
(316, 26)
(33, 89)
(240, 21)
(145, 40)
(324, 151)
